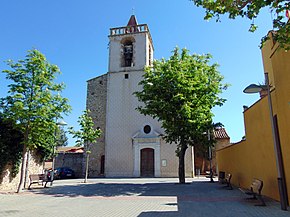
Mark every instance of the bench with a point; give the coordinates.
(39, 179)
(255, 191)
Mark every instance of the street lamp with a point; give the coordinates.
(210, 157)
(253, 88)
(60, 123)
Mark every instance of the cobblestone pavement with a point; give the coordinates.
(134, 197)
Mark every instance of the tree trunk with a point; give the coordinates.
(202, 166)
(87, 168)
(26, 168)
(24, 160)
(181, 168)
(23, 168)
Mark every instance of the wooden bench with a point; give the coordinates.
(39, 179)
(255, 191)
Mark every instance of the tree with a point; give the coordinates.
(86, 135)
(180, 93)
(10, 146)
(251, 9)
(61, 138)
(34, 103)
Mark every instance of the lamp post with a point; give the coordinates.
(60, 123)
(210, 157)
(253, 88)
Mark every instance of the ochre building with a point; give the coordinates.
(254, 157)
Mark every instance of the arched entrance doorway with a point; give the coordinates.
(147, 162)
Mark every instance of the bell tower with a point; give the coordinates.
(131, 144)
(130, 50)
(131, 47)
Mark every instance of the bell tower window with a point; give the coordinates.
(127, 55)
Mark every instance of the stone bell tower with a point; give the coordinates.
(131, 143)
(131, 47)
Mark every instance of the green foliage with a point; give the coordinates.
(180, 92)
(251, 10)
(207, 140)
(34, 102)
(61, 138)
(87, 134)
(10, 146)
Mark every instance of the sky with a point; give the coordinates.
(73, 35)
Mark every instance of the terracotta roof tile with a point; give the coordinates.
(221, 133)
(70, 150)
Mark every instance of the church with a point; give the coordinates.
(131, 144)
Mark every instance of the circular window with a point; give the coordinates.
(147, 129)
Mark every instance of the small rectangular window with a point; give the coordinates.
(126, 76)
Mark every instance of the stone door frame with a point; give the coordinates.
(138, 146)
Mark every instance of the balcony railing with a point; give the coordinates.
(129, 29)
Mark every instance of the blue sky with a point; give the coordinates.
(74, 35)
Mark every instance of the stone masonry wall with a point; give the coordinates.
(71, 160)
(96, 103)
(8, 184)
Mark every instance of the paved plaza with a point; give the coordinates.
(134, 197)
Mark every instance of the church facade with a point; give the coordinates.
(131, 144)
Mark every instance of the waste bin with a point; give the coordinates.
(48, 175)
(222, 176)
(197, 172)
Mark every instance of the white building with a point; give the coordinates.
(131, 145)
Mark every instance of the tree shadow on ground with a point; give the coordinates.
(104, 189)
(202, 198)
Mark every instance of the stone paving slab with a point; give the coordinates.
(134, 197)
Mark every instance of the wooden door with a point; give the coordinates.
(102, 170)
(147, 162)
